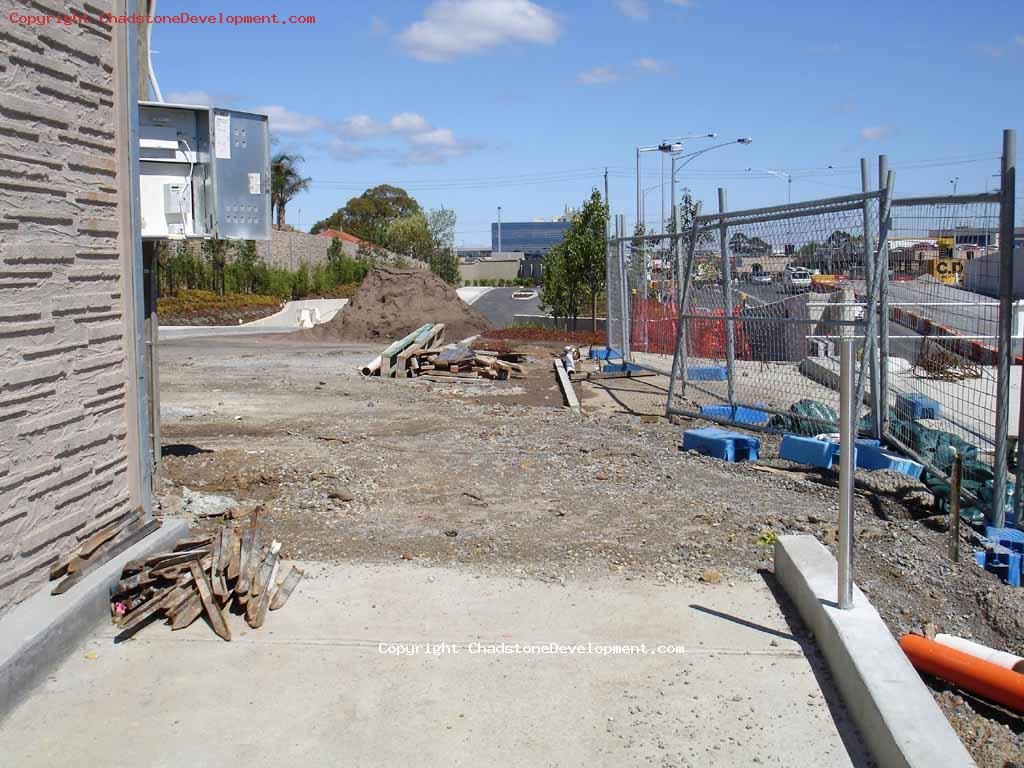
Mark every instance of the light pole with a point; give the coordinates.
(782, 175)
(668, 146)
(954, 181)
(691, 156)
(499, 229)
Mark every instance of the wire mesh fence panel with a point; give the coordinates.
(615, 296)
(943, 329)
(760, 325)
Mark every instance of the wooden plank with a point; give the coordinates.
(187, 612)
(236, 553)
(106, 552)
(176, 571)
(259, 579)
(140, 614)
(220, 626)
(133, 583)
(567, 391)
(79, 557)
(216, 582)
(192, 542)
(285, 588)
(256, 610)
(241, 587)
(164, 559)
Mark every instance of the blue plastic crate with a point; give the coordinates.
(722, 444)
(739, 413)
(707, 373)
(604, 353)
(874, 458)
(619, 367)
(912, 405)
(1003, 562)
(807, 450)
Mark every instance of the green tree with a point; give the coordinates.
(285, 182)
(443, 260)
(370, 215)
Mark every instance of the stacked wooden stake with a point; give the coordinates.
(233, 567)
(101, 547)
(422, 353)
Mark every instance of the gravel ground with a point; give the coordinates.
(497, 476)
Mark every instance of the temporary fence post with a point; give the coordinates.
(886, 181)
(624, 297)
(679, 358)
(847, 443)
(1005, 327)
(869, 360)
(954, 507)
(730, 332)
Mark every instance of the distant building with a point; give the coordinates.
(493, 266)
(529, 237)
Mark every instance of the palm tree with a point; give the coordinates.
(285, 182)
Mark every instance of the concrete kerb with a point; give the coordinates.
(41, 631)
(896, 714)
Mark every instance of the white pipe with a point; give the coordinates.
(149, 55)
(372, 367)
(999, 658)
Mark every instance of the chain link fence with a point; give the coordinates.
(743, 309)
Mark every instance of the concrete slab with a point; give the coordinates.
(317, 685)
(40, 632)
(900, 721)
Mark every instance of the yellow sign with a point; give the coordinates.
(946, 270)
(946, 242)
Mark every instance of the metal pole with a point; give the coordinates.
(680, 358)
(672, 183)
(499, 229)
(847, 433)
(954, 507)
(730, 334)
(1006, 212)
(639, 202)
(869, 361)
(881, 281)
(624, 298)
(662, 222)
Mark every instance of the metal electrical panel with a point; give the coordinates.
(204, 172)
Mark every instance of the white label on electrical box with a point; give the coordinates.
(254, 183)
(222, 136)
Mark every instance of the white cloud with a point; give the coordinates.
(1019, 39)
(439, 137)
(379, 27)
(634, 9)
(285, 121)
(652, 65)
(599, 76)
(876, 132)
(362, 127)
(451, 28)
(408, 122)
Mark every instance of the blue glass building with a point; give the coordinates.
(529, 237)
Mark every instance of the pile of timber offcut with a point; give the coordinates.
(234, 567)
(423, 353)
(101, 547)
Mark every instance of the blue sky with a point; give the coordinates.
(472, 104)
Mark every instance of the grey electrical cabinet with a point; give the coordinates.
(203, 172)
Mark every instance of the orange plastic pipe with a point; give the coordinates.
(970, 673)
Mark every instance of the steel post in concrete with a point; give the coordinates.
(869, 360)
(730, 333)
(847, 449)
(997, 514)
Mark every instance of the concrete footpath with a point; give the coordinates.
(314, 688)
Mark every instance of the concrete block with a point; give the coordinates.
(39, 632)
(911, 405)
(722, 444)
(807, 450)
(897, 716)
(706, 373)
(740, 413)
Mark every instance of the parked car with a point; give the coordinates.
(761, 278)
(796, 279)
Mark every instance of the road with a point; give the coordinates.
(500, 308)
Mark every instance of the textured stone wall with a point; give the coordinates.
(63, 412)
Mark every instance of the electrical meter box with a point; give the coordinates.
(204, 173)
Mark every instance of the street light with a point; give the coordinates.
(782, 175)
(954, 181)
(668, 146)
(690, 157)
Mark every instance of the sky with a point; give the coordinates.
(475, 104)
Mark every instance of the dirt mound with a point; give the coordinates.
(392, 302)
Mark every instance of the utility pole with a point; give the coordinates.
(499, 229)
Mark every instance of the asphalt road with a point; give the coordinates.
(500, 308)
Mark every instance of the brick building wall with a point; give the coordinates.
(66, 404)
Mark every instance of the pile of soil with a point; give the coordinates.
(392, 302)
